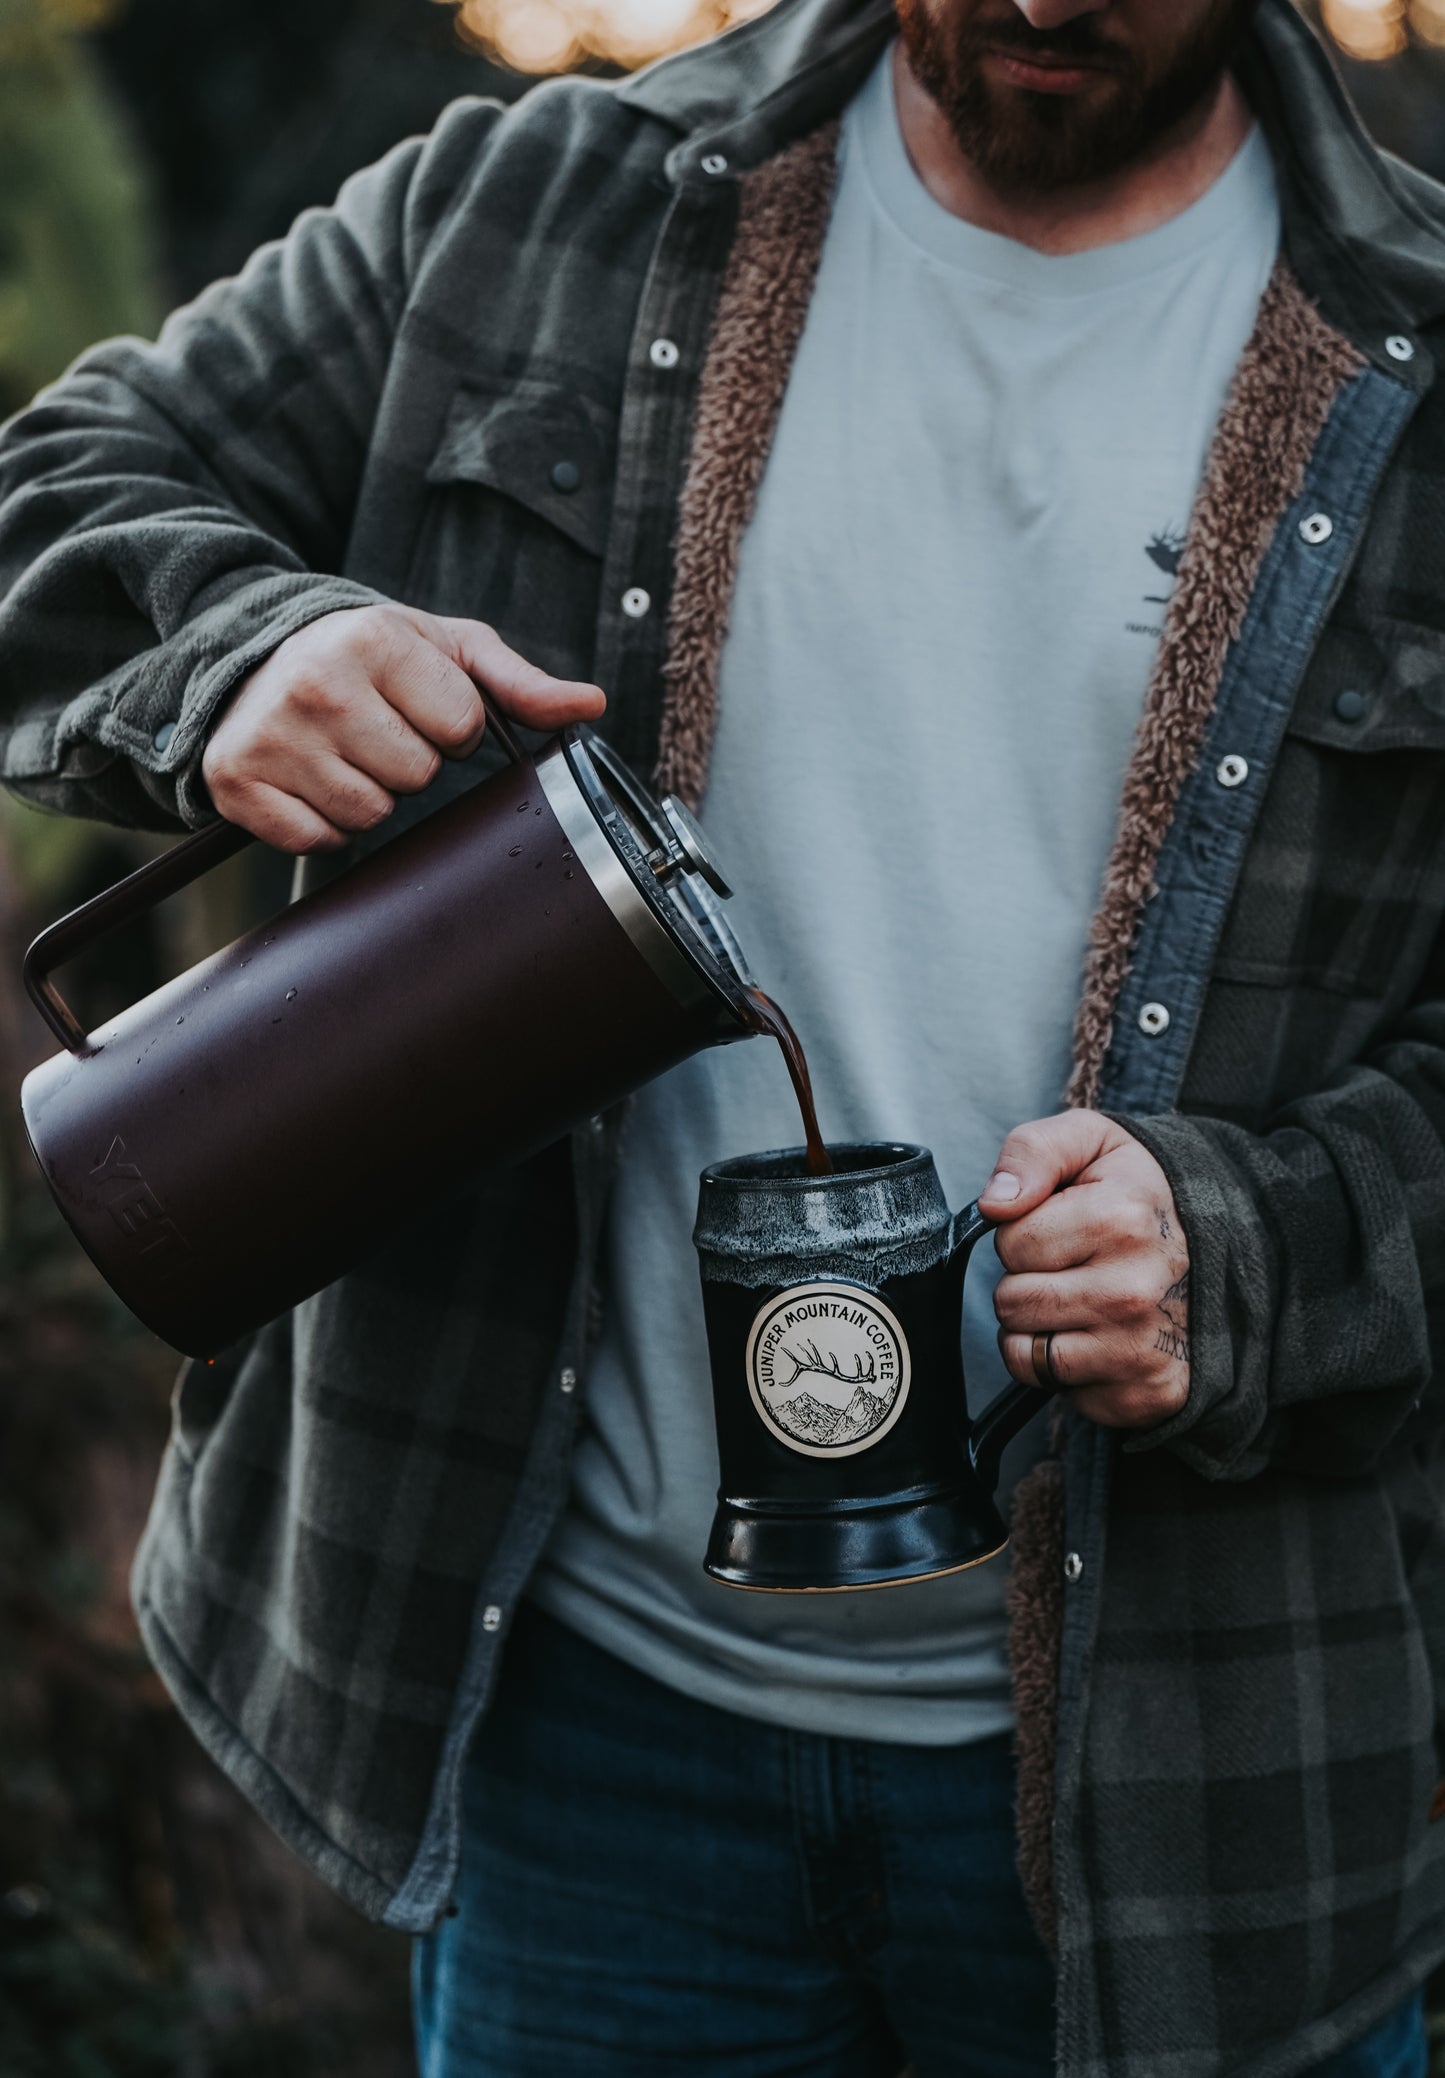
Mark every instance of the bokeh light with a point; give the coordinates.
(556, 35)
(1427, 19)
(1367, 29)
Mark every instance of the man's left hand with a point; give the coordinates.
(1095, 1256)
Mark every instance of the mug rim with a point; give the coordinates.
(908, 1159)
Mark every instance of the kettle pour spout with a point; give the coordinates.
(1017, 1405)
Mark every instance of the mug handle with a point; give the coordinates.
(1016, 1406)
(141, 890)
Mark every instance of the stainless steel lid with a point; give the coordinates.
(651, 862)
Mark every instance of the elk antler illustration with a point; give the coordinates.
(1166, 552)
(811, 1361)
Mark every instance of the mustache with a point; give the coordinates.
(1079, 41)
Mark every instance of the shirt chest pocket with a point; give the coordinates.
(1344, 883)
(519, 497)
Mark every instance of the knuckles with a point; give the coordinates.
(1132, 1303)
(455, 731)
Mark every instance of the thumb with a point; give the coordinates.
(522, 690)
(1038, 1159)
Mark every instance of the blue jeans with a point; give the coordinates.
(653, 1886)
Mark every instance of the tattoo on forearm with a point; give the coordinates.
(1166, 1232)
(1173, 1340)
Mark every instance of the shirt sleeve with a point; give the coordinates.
(1317, 1264)
(170, 513)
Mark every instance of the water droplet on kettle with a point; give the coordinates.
(180, 1020)
(515, 852)
(290, 995)
(536, 811)
(568, 874)
(522, 807)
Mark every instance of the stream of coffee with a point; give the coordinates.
(767, 1017)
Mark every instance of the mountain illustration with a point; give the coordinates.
(859, 1418)
(807, 1419)
(811, 1421)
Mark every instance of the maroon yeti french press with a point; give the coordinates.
(509, 966)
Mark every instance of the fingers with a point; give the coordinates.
(425, 685)
(279, 819)
(1036, 1159)
(1033, 1305)
(1087, 1223)
(1109, 1374)
(360, 706)
(524, 691)
(1094, 1256)
(349, 726)
(1076, 1356)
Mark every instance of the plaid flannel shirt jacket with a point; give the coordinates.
(1252, 1649)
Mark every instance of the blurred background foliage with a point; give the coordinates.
(149, 1927)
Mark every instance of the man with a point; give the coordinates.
(988, 455)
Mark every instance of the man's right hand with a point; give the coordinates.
(361, 706)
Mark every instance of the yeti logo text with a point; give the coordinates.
(828, 1369)
(133, 1205)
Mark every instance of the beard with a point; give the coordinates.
(1031, 144)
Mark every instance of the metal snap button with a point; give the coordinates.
(566, 476)
(1317, 528)
(568, 1380)
(491, 1617)
(635, 603)
(714, 162)
(1350, 705)
(164, 736)
(663, 353)
(1153, 1020)
(1232, 771)
(1399, 348)
(1073, 1566)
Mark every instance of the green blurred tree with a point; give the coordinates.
(74, 256)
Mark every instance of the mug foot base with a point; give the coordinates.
(835, 1548)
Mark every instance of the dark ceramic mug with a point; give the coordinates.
(834, 1308)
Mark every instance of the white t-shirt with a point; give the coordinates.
(948, 604)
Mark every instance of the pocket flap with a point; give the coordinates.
(539, 443)
(1375, 689)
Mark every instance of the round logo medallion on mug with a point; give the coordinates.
(834, 1313)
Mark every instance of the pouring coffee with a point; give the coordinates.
(833, 1304)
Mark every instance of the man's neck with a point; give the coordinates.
(1177, 171)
